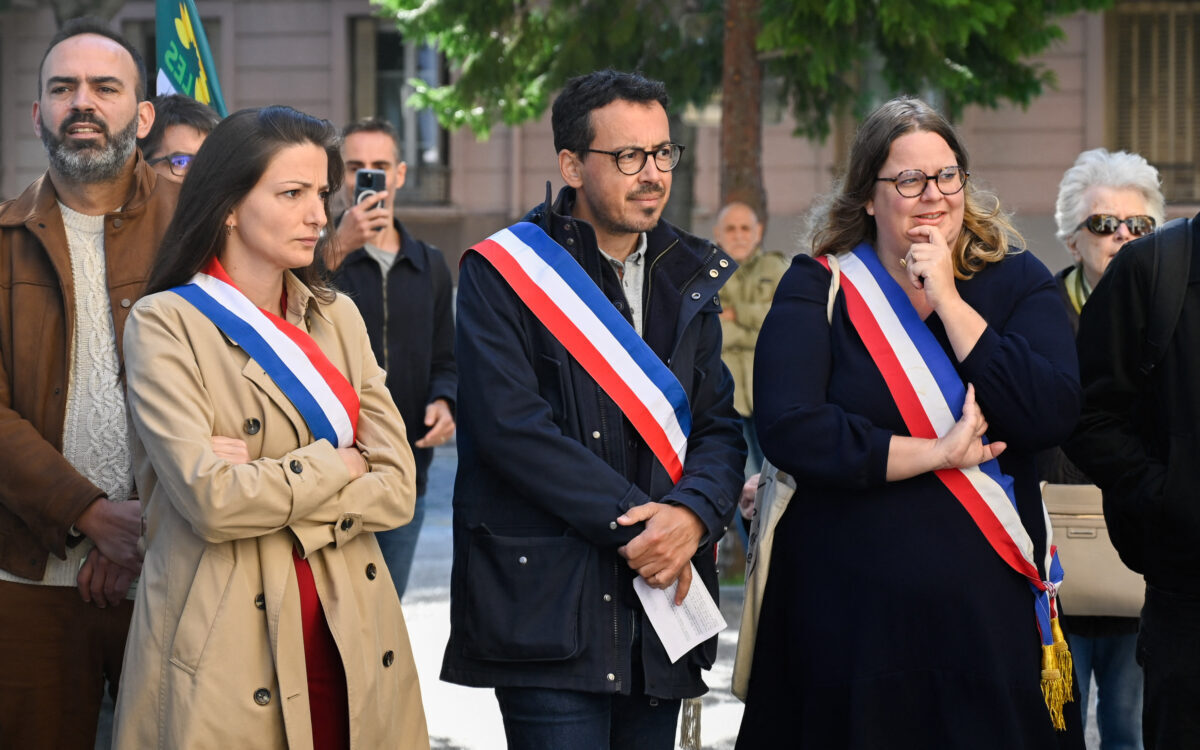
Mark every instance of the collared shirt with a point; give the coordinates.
(632, 274)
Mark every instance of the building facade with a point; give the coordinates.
(1126, 78)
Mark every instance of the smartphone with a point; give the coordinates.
(368, 182)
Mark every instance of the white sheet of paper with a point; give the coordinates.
(680, 628)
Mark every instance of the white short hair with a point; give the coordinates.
(1101, 168)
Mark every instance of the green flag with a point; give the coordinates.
(185, 64)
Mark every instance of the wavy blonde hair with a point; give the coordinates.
(987, 231)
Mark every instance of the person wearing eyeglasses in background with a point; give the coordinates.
(907, 605)
(1104, 201)
(180, 126)
(560, 502)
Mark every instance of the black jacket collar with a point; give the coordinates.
(410, 249)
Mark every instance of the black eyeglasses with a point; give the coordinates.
(178, 163)
(633, 160)
(1106, 224)
(911, 182)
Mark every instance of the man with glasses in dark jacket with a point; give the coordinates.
(573, 479)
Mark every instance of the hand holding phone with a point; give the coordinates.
(362, 222)
(369, 183)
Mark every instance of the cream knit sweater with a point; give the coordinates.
(96, 429)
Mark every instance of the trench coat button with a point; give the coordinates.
(612, 525)
(608, 597)
(117, 223)
(714, 273)
(695, 295)
(371, 571)
(724, 263)
(347, 524)
(296, 466)
(252, 426)
(126, 302)
(523, 559)
(388, 658)
(262, 696)
(260, 601)
(612, 677)
(596, 434)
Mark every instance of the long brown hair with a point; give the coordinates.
(228, 165)
(987, 232)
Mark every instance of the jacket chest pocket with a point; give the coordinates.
(549, 372)
(206, 597)
(530, 590)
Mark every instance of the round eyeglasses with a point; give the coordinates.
(911, 182)
(631, 161)
(178, 163)
(1106, 224)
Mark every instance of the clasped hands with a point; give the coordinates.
(663, 552)
(110, 567)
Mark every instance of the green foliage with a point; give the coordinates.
(510, 56)
(831, 55)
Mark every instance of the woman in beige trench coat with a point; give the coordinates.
(240, 499)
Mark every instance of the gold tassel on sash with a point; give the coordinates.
(689, 725)
(1053, 687)
(1066, 664)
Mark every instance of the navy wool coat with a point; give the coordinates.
(547, 462)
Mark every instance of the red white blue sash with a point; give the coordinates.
(290, 357)
(562, 296)
(929, 395)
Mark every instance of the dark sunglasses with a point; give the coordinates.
(179, 163)
(1106, 224)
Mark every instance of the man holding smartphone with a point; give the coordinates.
(402, 288)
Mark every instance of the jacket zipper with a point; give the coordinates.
(650, 277)
(386, 364)
(616, 627)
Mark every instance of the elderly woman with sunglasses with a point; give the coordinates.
(1104, 200)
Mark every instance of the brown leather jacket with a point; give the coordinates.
(41, 494)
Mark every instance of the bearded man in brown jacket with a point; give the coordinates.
(75, 250)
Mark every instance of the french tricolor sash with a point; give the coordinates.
(565, 300)
(290, 357)
(929, 395)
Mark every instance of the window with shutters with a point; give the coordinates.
(1153, 51)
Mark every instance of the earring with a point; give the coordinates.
(229, 229)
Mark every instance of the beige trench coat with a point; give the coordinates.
(215, 656)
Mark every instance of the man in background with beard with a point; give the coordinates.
(75, 250)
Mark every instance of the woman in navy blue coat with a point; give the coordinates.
(889, 620)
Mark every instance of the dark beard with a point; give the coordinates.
(616, 224)
(89, 164)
